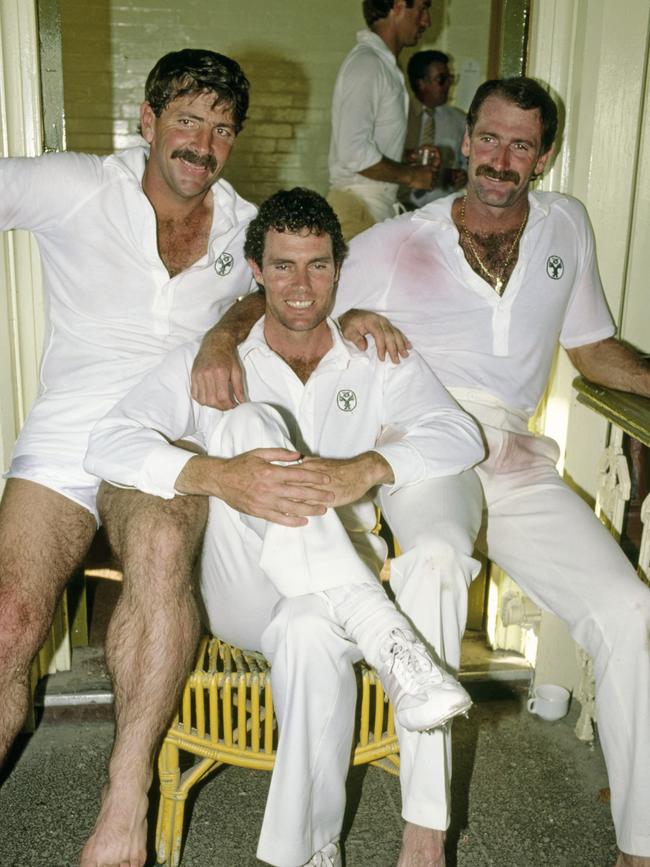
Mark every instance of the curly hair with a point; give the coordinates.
(525, 93)
(294, 211)
(194, 71)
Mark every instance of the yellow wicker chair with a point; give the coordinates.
(226, 717)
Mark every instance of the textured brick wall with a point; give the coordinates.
(290, 50)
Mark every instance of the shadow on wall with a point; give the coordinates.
(286, 137)
(88, 79)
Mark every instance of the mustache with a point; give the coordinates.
(489, 172)
(205, 162)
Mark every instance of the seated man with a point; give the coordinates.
(485, 284)
(300, 594)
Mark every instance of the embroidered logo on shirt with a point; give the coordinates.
(346, 400)
(223, 265)
(554, 267)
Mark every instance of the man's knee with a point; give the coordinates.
(25, 618)
(434, 563)
(164, 534)
(249, 426)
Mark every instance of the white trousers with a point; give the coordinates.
(314, 686)
(550, 542)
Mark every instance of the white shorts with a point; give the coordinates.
(52, 444)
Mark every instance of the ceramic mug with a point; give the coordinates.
(549, 701)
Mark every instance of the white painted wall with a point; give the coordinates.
(21, 312)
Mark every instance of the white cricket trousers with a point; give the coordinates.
(314, 686)
(550, 542)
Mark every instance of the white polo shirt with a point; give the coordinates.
(414, 271)
(111, 309)
(351, 403)
(369, 113)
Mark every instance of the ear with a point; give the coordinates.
(147, 122)
(257, 274)
(464, 148)
(540, 165)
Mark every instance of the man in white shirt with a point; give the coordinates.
(433, 123)
(369, 109)
(485, 285)
(141, 251)
(284, 590)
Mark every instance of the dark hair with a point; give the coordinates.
(525, 93)
(293, 211)
(418, 65)
(375, 10)
(197, 70)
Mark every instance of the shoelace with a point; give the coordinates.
(411, 665)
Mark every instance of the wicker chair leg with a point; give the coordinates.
(170, 774)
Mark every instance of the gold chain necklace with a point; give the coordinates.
(496, 279)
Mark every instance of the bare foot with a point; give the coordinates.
(119, 838)
(422, 847)
(632, 861)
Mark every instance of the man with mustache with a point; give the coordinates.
(485, 284)
(369, 118)
(141, 251)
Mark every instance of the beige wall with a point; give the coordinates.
(290, 50)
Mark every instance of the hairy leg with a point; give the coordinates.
(43, 538)
(422, 847)
(149, 648)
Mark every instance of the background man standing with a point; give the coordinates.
(432, 122)
(369, 114)
(485, 285)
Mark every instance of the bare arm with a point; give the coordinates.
(612, 364)
(351, 478)
(217, 378)
(251, 484)
(408, 174)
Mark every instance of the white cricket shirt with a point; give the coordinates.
(414, 271)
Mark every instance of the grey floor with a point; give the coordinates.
(525, 793)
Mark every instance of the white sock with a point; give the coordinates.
(367, 615)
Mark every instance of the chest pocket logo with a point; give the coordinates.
(346, 400)
(554, 267)
(223, 265)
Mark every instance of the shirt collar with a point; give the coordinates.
(340, 354)
(229, 210)
(367, 37)
(439, 211)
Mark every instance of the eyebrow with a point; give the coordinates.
(189, 114)
(281, 260)
(496, 135)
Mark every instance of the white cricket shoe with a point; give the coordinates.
(328, 856)
(423, 695)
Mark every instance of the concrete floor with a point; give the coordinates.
(526, 793)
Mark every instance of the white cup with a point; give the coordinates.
(549, 701)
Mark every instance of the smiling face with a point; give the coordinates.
(504, 152)
(298, 274)
(190, 144)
